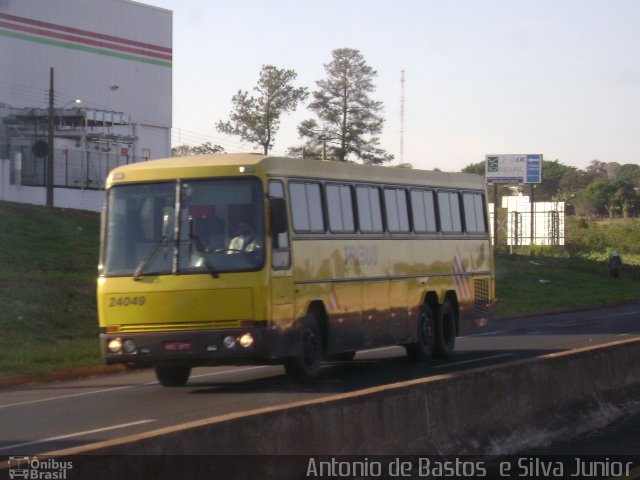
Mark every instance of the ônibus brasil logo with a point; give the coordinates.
(30, 468)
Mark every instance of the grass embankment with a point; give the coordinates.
(531, 284)
(48, 262)
(544, 279)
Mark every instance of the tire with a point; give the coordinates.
(342, 357)
(422, 350)
(306, 365)
(445, 331)
(173, 376)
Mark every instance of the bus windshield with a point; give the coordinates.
(219, 228)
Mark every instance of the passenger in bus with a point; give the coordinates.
(245, 241)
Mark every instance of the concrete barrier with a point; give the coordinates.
(493, 410)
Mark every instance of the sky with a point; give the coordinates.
(556, 77)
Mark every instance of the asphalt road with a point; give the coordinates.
(40, 418)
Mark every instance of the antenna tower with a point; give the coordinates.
(402, 116)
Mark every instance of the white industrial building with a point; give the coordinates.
(540, 223)
(112, 69)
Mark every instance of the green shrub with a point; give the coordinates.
(601, 237)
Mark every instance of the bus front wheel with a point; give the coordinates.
(306, 365)
(172, 376)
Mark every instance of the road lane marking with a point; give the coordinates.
(226, 371)
(636, 312)
(606, 317)
(488, 334)
(475, 360)
(574, 323)
(374, 350)
(73, 435)
(63, 397)
(114, 389)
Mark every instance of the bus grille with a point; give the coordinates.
(481, 297)
(162, 327)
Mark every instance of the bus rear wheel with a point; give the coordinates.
(172, 376)
(306, 365)
(422, 350)
(445, 331)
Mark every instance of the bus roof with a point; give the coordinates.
(200, 166)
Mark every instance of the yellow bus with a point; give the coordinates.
(250, 259)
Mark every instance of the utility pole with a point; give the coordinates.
(495, 217)
(50, 143)
(533, 213)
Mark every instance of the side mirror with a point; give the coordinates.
(278, 215)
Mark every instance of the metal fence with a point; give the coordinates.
(85, 169)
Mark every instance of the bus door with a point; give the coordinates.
(281, 273)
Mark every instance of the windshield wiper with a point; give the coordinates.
(162, 241)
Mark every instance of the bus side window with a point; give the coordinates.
(340, 208)
(369, 209)
(456, 215)
(474, 213)
(449, 206)
(395, 202)
(424, 212)
(306, 206)
(281, 258)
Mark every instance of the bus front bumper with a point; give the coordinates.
(192, 348)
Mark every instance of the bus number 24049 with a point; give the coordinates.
(127, 301)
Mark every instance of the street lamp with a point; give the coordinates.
(77, 101)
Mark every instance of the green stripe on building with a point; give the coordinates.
(84, 48)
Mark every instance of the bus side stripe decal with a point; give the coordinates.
(459, 275)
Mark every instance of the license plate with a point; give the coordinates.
(178, 346)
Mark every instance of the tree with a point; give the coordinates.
(475, 168)
(612, 169)
(256, 119)
(623, 199)
(597, 169)
(552, 174)
(594, 199)
(206, 148)
(349, 120)
(630, 173)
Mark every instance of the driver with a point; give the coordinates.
(245, 239)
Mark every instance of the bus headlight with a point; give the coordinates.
(115, 345)
(246, 340)
(129, 346)
(229, 342)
